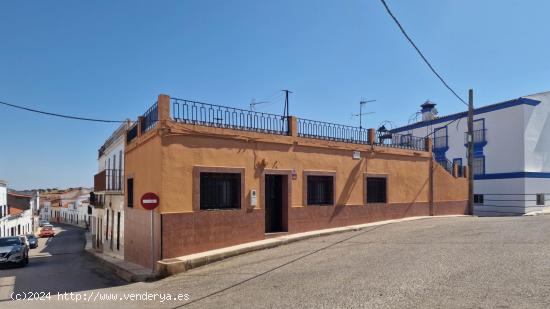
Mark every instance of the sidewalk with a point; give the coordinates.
(126, 270)
(168, 267)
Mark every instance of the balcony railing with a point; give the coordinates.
(205, 114)
(114, 179)
(405, 141)
(150, 118)
(480, 136)
(331, 131)
(132, 133)
(198, 113)
(447, 165)
(108, 180)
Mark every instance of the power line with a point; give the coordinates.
(420, 53)
(60, 115)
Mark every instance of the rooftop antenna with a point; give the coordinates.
(361, 104)
(253, 104)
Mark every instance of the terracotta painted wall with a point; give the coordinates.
(408, 174)
(450, 193)
(143, 162)
(166, 165)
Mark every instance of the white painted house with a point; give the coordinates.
(3, 207)
(511, 151)
(107, 225)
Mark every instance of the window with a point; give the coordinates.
(440, 138)
(478, 199)
(479, 165)
(220, 191)
(458, 162)
(540, 198)
(376, 190)
(320, 190)
(130, 189)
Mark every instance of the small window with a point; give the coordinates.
(376, 190)
(479, 165)
(478, 199)
(320, 190)
(540, 198)
(130, 189)
(220, 191)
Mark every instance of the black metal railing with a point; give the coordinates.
(113, 179)
(211, 115)
(405, 141)
(447, 165)
(132, 133)
(150, 118)
(480, 136)
(331, 131)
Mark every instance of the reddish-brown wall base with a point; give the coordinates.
(451, 208)
(303, 219)
(187, 233)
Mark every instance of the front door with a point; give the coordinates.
(274, 201)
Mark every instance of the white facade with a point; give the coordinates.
(3, 208)
(511, 152)
(19, 222)
(108, 214)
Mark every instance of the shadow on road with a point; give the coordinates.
(60, 264)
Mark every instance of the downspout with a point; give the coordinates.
(430, 176)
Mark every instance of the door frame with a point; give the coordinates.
(287, 198)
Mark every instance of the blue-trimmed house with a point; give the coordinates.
(511, 151)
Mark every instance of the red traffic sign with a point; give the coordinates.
(150, 201)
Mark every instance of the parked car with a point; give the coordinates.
(14, 250)
(43, 222)
(47, 231)
(33, 241)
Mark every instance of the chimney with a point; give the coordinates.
(428, 110)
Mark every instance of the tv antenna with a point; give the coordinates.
(360, 115)
(253, 104)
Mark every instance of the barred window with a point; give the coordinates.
(220, 191)
(376, 190)
(320, 190)
(478, 199)
(540, 199)
(130, 192)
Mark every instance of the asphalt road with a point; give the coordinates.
(463, 262)
(59, 264)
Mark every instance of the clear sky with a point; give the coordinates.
(110, 59)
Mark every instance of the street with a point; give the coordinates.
(59, 264)
(464, 262)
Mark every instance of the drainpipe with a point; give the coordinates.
(430, 177)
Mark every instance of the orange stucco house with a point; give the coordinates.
(226, 176)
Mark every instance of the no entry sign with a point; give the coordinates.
(150, 201)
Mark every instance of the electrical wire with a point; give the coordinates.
(60, 115)
(420, 53)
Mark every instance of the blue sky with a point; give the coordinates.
(110, 59)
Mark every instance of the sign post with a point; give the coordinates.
(150, 201)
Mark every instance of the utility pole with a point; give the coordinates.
(361, 104)
(471, 151)
(286, 112)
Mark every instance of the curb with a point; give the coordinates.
(169, 267)
(125, 270)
